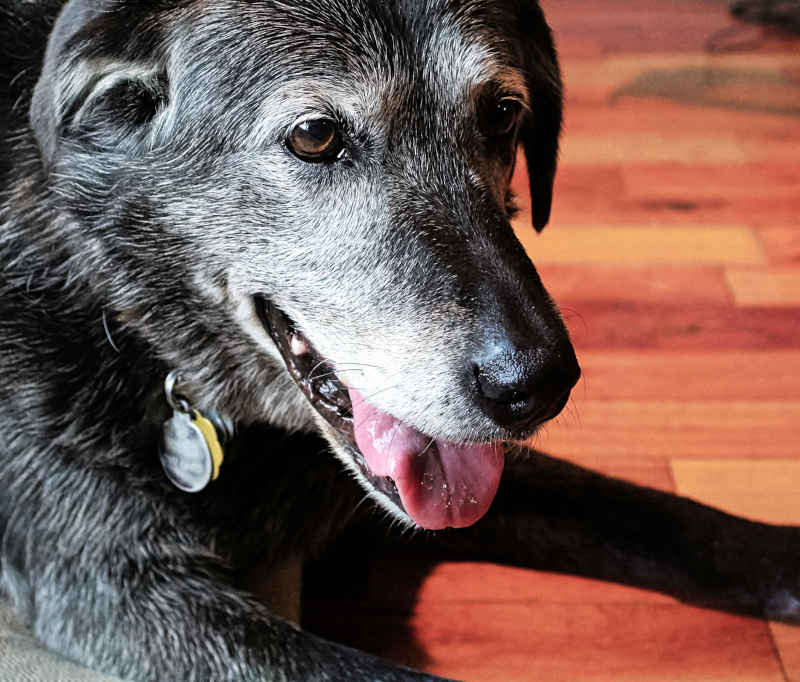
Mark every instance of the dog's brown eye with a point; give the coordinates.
(315, 139)
(500, 117)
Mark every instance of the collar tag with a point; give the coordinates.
(191, 449)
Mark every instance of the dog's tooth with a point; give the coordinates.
(298, 345)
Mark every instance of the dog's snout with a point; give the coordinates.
(521, 387)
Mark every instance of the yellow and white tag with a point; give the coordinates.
(191, 448)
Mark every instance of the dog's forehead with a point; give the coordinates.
(364, 56)
(462, 49)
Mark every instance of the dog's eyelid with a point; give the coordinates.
(506, 95)
(520, 100)
(315, 116)
(341, 122)
(505, 85)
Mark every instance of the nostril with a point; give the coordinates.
(517, 388)
(498, 382)
(505, 390)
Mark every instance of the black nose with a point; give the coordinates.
(519, 388)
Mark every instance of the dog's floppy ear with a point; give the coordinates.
(88, 85)
(542, 124)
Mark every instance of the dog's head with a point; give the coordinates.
(308, 205)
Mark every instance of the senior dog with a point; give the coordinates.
(257, 266)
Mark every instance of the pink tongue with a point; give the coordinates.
(441, 484)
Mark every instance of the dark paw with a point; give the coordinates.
(783, 606)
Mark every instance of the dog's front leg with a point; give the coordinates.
(556, 516)
(155, 611)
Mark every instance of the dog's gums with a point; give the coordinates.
(311, 372)
(437, 483)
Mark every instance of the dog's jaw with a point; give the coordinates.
(332, 406)
(433, 482)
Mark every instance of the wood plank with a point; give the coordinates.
(652, 472)
(616, 28)
(671, 193)
(643, 245)
(764, 287)
(763, 95)
(620, 324)
(762, 149)
(590, 431)
(660, 146)
(593, 77)
(689, 285)
(787, 642)
(690, 375)
(698, 181)
(624, 114)
(750, 207)
(781, 244)
(762, 490)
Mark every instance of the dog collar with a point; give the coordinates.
(192, 443)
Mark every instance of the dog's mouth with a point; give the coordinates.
(311, 372)
(437, 483)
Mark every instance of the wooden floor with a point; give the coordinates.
(674, 251)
